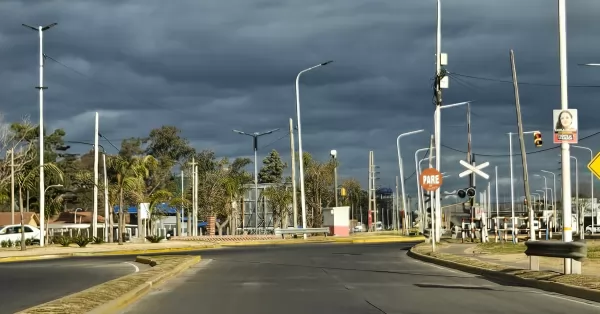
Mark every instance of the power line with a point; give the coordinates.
(520, 83)
(508, 155)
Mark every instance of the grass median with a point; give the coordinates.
(117, 293)
(593, 248)
(583, 281)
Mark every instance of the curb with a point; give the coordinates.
(146, 260)
(10, 259)
(573, 291)
(131, 296)
(388, 240)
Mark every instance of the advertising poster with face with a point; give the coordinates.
(565, 126)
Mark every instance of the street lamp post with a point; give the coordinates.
(428, 158)
(41, 87)
(545, 189)
(255, 137)
(553, 197)
(438, 150)
(301, 161)
(335, 179)
(593, 205)
(512, 183)
(419, 189)
(402, 173)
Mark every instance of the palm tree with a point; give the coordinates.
(129, 172)
(27, 179)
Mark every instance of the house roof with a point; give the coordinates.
(164, 207)
(82, 217)
(27, 216)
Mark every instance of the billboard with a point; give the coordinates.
(565, 126)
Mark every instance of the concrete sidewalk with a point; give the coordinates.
(519, 260)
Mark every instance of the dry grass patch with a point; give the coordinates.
(87, 300)
(585, 281)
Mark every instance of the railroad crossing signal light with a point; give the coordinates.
(343, 192)
(537, 139)
(470, 192)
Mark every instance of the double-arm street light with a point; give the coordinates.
(301, 161)
(255, 137)
(553, 196)
(41, 87)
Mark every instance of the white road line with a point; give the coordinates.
(137, 269)
(567, 299)
(525, 289)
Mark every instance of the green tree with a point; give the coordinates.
(279, 198)
(272, 169)
(234, 186)
(353, 195)
(318, 183)
(128, 173)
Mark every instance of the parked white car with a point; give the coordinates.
(588, 229)
(13, 233)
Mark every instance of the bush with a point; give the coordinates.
(82, 241)
(154, 239)
(65, 241)
(4, 243)
(9, 243)
(29, 241)
(98, 240)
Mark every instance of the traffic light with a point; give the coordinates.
(427, 201)
(537, 139)
(343, 191)
(470, 192)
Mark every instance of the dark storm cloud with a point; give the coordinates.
(209, 67)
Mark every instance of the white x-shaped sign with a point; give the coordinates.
(474, 169)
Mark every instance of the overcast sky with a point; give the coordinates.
(212, 66)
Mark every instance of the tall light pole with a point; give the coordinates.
(593, 205)
(255, 137)
(41, 87)
(402, 171)
(512, 180)
(419, 189)
(95, 212)
(545, 189)
(565, 152)
(301, 161)
(335, 181)
(438, 160)
(553, 196)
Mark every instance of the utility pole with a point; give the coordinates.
(181, 215)
(193, 230)
(397, 211)
(533, 260)
(95, 212)
(370, 191)
(12, 186)
(294, 194)
(431, 196)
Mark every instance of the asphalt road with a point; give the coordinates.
(26, 284)
(340, 278)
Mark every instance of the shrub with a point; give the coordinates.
(4, 243)
(29, 241)
(9, 243)
(98, 240)
(82, 241)
(65, 241)
(154, 238)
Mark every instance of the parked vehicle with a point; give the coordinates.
(588, 229)
(13, 233)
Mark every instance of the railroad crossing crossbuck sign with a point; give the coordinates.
(431, 179)
(474, 169)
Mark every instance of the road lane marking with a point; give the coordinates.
(137, 269)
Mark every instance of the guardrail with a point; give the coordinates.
(296, 231)
(575, 250)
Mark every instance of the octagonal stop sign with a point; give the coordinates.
(430, 179)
